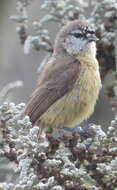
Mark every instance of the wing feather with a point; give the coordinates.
(48, 92)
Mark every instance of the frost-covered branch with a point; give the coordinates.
(85, 159)
(4, 93)
(102, 14)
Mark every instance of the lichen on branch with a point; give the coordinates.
(85, 159)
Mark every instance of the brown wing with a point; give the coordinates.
(59, 82)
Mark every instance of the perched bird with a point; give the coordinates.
(69, 84)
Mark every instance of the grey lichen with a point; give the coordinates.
(62, 11)
(85, 159)
(102, 14)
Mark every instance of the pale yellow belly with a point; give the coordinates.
(75, 106)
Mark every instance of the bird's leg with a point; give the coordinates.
(68, 129)
(83, 130)
(76, 129)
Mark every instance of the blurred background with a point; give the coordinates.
(15, 65)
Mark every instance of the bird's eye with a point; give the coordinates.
(78, 35)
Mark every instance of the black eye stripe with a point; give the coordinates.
(78, 35)
(83, 34)
(87, 30)
(90, 32)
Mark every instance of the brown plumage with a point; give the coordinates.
(58, 82)
(69, 84)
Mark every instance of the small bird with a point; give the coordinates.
(69, 83)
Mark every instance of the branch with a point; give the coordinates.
(82, 159)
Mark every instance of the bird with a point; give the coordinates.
(69, 84)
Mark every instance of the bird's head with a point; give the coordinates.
(77, 37)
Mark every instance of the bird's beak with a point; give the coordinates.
(92, 38)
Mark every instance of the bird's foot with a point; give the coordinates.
(82, 131)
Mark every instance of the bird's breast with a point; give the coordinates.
(78, 104)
